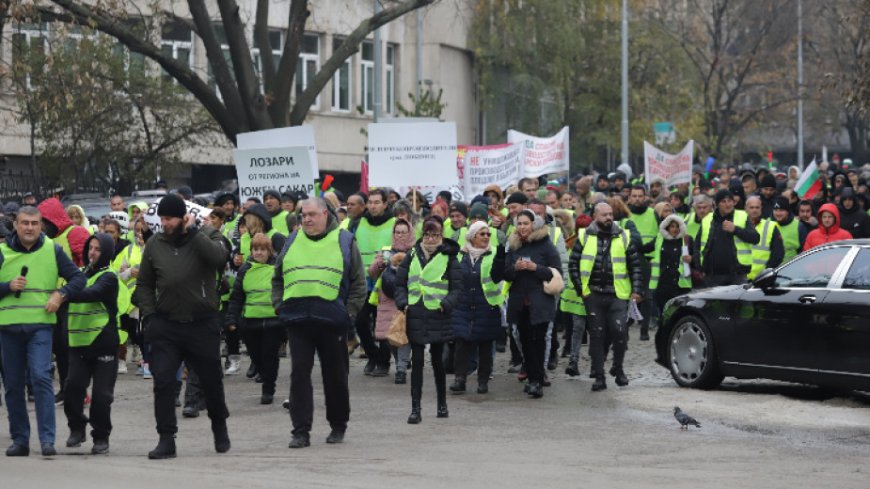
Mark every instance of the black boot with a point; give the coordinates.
(76, 438)
(178, 393)
(572, 370)
(416, 415)
(165, 448)
(458, 386)
(221, 436)
(441, 390)
(600, 384)
(536, 391)
(482, 386)
(252, 371)
(621, 379)
(101, 446)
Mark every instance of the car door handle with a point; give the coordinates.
(807, 299)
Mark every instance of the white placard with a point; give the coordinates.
(487, 165)
(153, 220)
(283, 137)
(431, 193)
(418, 153)
(542, 155)
(671, 169)
(280, 169)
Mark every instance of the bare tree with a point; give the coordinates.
(242, 106)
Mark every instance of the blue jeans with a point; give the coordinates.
(28, 346)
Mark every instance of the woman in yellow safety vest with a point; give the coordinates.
(428, 285)
(93, 342)
(670, 273)
(384, 270)
(250, 307)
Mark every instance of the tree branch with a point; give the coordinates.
(287, 66)
(104, 22)
(261, 40)
(347, 48)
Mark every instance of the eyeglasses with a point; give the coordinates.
(432, 236)
(484, 234)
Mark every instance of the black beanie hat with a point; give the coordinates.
(780, 202)
(517, 198)
(723, 194)
(460, 207)
(171, 206)
(768, 181)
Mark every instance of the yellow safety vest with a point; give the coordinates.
(656, 265)
(313, 268)
(618, 248)
(761, 251)
(744, 250)
(42, 277)
(428, 282)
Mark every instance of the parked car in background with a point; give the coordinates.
(806, 321)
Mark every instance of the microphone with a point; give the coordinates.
(23, 274)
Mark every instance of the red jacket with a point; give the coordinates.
(820, 235)
(52, 210)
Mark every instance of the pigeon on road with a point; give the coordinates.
(684, 419)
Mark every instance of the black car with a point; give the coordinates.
(807, 321)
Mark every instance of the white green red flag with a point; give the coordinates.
(809, 184)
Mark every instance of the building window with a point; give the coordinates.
(276, 44)
(29, 45)
(308, 64)
(341, 83)
(177, 43)
(390, 79)
(367, 71)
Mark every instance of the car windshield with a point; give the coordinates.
(813, 270)
(859, 275)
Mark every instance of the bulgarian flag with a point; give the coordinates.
(809, 184)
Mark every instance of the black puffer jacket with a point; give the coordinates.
(527, 287)
(424, 326)
(601, 279)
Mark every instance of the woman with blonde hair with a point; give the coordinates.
(77, 216)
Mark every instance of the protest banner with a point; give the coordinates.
(153, 220)
(430, 193)
(281, 169)
(283, 137)
(416, 153)
(487, 165)
(671, 169)
(542, 155)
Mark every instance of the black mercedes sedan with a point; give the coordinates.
(807, 321)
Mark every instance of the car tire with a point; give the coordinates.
(692, 355)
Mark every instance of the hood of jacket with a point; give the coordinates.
(260, 211)
(52, 210)
(515, 243)
(107, 250)
(663, 227)
(14, 242)
(494, 188)
(835, 212)
(142, 206)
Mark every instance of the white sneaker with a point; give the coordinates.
(235, 365)
(122, 368)
(146, 372)
(136, 355)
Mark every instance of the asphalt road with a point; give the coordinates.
(755, 434)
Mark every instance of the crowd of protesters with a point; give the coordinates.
(513, 270)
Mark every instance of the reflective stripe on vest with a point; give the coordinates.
(791, 239)
(42, 279)
(370, 239)
(492, 291)
(621, 282)
(761, 251)
(313, 268)
(656, 266)
(428, 282)
(87, 319)
(257, 285)
(744, 250)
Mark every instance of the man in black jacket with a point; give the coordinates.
(177, 294)
(604, 289)
(717, 252)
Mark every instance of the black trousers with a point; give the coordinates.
(263, 344)
(533, 338)
(465, 350)
(436, 352)
(197, 344)
(231, 338)
(101, 366)
(329, 342)
(607, 326)
(363, 325)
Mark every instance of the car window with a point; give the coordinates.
(813, 270)
(859, 274)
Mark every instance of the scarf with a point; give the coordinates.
(429, 249)
(474, 253)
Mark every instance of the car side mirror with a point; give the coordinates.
(766, 279)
